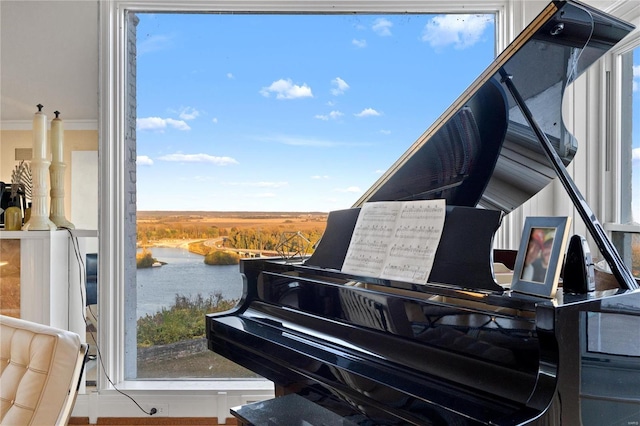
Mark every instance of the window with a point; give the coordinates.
(271, 113)
(630, 133)
(127, 186)
(626, 233)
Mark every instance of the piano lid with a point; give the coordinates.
(482, 151)
(503, 139)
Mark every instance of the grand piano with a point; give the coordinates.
(462, 348)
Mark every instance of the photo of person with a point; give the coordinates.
(536, 261)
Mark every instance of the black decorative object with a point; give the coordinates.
(578, 276)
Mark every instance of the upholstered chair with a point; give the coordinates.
(40, 371)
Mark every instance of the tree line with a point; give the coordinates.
(270, 239)
(264, 238)
(193, 231)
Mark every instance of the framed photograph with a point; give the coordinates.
(540, 257)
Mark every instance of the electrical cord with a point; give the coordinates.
(82, 276)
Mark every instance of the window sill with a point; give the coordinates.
(188, 398)
(217, 385)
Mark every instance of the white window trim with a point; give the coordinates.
(204, 398)
(630, 12)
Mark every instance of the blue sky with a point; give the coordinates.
(290, 113)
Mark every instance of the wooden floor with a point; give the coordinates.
(157, 421)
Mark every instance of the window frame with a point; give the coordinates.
(205, 397)
(612, 163)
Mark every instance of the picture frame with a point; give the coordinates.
(540, 256)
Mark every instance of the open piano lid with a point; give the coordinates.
(436, 355)
(504, 140)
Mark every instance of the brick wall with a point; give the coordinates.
(130, 300)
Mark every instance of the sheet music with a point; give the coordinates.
(396, 240)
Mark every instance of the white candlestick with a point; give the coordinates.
(57, 140)
(40, 149)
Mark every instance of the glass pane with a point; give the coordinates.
(250, 128)
(631, 134)
(631, 122)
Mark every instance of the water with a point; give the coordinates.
(186, 274)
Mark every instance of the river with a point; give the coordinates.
(186, 274)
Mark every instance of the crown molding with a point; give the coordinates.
(68, 125)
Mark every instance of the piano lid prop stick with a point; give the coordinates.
(620, 271)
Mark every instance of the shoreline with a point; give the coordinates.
(171, 243)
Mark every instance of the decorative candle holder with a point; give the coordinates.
(56, 172)
(39, 220)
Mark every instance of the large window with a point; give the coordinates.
(279, 116)
(246, 104)
(626, 233)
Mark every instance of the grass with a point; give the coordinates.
(201, 365)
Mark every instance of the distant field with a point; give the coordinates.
(297, 221)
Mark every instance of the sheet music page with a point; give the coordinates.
(396, 240)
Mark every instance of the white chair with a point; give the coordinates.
(40, 371)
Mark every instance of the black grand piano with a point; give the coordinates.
(460, 349)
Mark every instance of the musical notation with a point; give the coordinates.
(410, 251)
(396, 240)
(407, 272)
(419, 232)
(421, 212)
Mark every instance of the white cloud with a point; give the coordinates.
(143, 160)
(189, 113)
(214, 120)
(333, 115)
(379, 171)
(361, 44)
(158, 123)
(339, 86)
(285, 89)
(368, 112)
(320, 177)
(265, 195)
(230, 76)
(199, 158)
(635, 155)
(636, 75)
(178, 124)
(385, 132)
(461, 31)
(152, 44)
(349, 189)
(382, 27)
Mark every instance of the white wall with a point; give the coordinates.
(48, 55)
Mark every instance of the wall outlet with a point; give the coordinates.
(162, 410)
